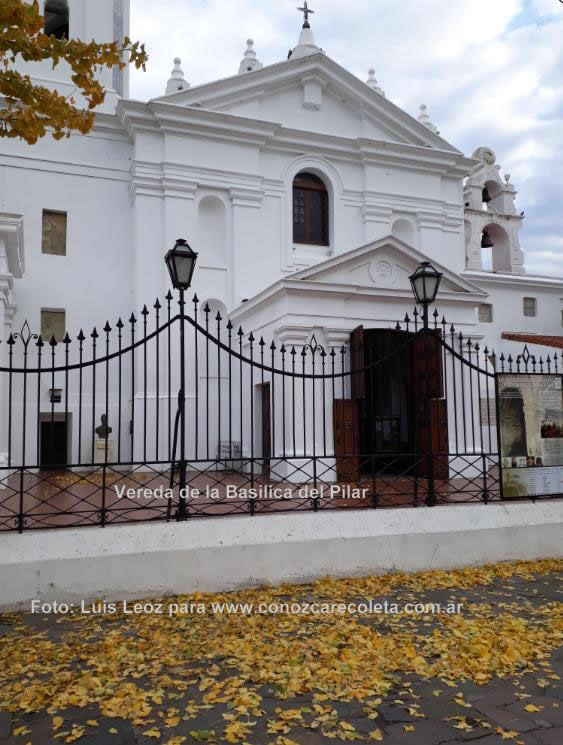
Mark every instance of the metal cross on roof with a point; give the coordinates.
(306, 12)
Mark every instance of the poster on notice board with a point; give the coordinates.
(531, 434)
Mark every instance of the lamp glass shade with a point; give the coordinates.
(425, 283)
(181, 261)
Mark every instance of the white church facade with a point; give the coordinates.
(309, 196)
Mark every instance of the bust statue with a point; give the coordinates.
(103, 431)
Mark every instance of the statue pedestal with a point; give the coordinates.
(100, 451)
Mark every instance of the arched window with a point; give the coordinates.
(57, 19)
(310, 210)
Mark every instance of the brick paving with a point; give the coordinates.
(55, 499)
(410, 713)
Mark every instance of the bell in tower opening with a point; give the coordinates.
(486, 196)
(486, 241)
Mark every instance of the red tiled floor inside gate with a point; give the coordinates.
(70, 498)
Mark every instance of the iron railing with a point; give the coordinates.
(401, 417)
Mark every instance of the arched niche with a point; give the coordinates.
(497, 258)
(212, 231)
(404, 230)
(215, 306)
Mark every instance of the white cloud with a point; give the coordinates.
(489, 70)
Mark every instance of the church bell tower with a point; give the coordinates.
(492, 225)
(102, 21)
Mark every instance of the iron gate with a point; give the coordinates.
(399, 417)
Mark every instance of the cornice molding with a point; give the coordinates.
(167, 118)
(376, 213)
(390, 116)
(289, 288)
(513, 280)
(491, 216)
(90, 170)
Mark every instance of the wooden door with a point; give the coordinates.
(357, 362)
(347, 440)
(427, 378)
(266, 429)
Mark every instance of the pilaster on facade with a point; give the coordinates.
(376, 220)
(12, 265)
(249, 198)
(294, 336)
(430, 220)
(174, 185)
(453, 223)
(336, 338)
(146, 180)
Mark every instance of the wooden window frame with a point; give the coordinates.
(312, 187)
(44, 215)
(61, 311)
(531, 300)
(489, 308)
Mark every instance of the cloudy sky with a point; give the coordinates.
(491, 72)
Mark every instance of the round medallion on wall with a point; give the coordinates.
(381, 271)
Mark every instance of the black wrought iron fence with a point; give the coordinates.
(93, 426)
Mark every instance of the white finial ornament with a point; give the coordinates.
(423, 118)
(306, 45)
(372, 82)
(177, 81)
(249, 62)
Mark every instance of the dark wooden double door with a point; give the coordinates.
(385, 415)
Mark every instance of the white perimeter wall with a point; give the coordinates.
(225, 553)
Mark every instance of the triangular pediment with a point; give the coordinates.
(383, 264)
(314, 94)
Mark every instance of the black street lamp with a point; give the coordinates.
(425, 283)
(181, 261)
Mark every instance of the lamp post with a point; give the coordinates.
(181, 261)
(425, 283)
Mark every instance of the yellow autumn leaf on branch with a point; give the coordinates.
(30, 110)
